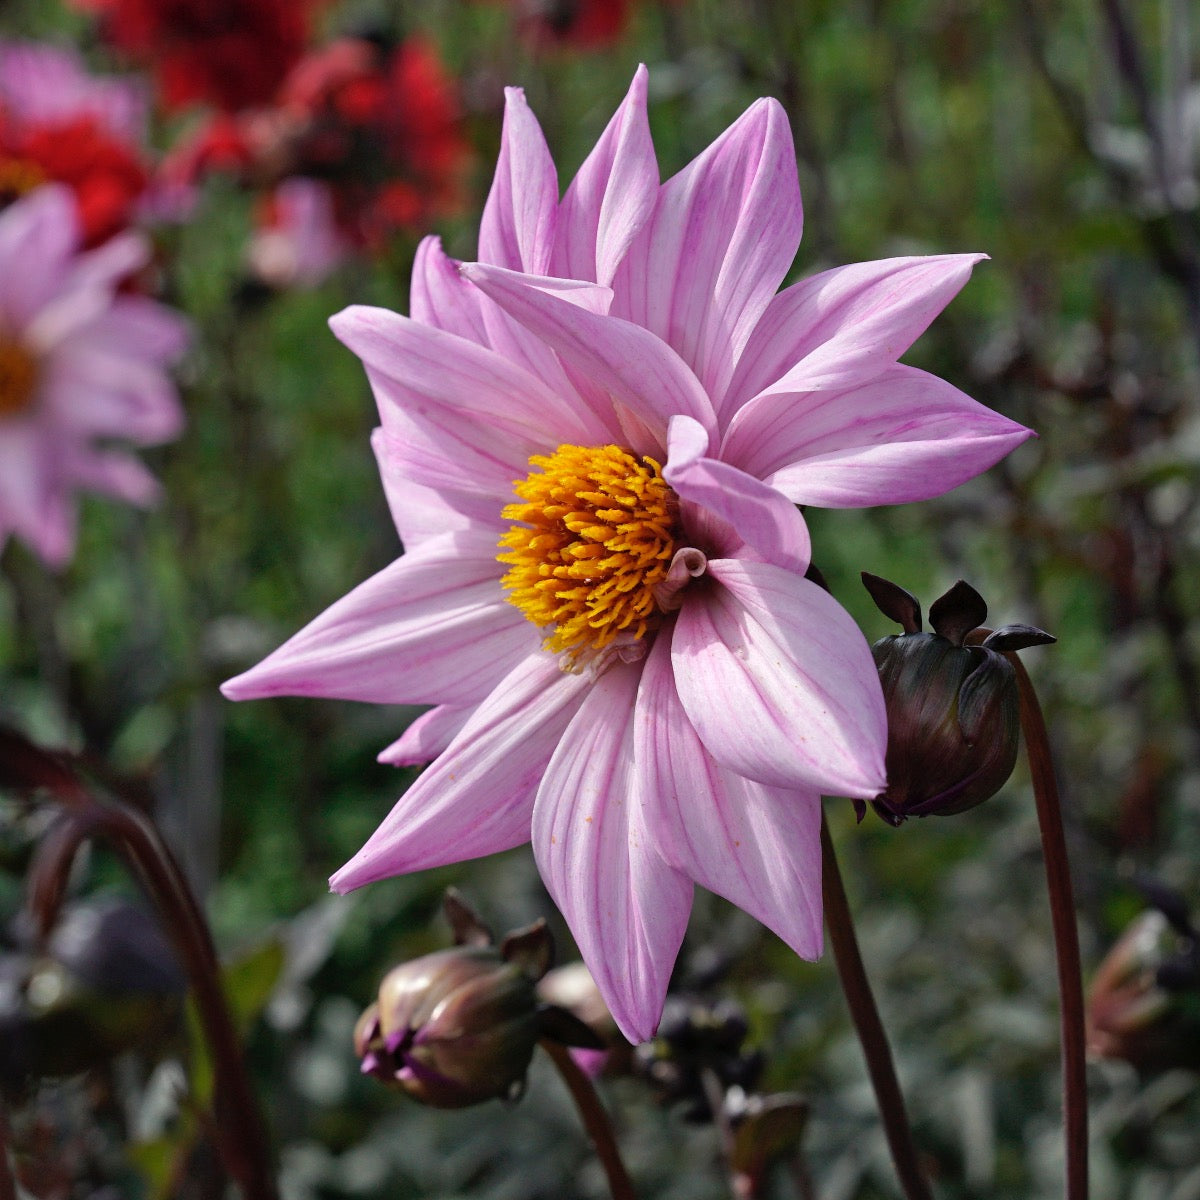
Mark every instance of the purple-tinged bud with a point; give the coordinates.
(453, 1028)
(459, 1026)
(953, 708)
(1144, 1002)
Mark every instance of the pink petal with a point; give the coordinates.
(91, 391)
(419, 512)
(38, 236)
(904, 436)
(441, 297)
(35, 501)
(477, 797)
(845, 326)
(517, 228)
(722, 238)
(762, 517)
(613, 195)
(433, 627)
(112, 473)
(430, 367)
(780, 683)
(626, 908)
(633, 366)
(427, 737)
(759, 847)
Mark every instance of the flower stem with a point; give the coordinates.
(595, 1119)
(242, 1140)
(867, 1024)
(8, 1183)
(1066, 934)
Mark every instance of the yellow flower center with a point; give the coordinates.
(598, 529)
(17, 177)
(18, 377)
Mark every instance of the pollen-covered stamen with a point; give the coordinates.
(598, 531)
(18, 377)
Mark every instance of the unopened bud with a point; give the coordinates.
(459, 1026)
(953, 709)
(452, 1028)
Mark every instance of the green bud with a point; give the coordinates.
(953, 709)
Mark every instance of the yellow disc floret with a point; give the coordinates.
(18, 377)
(597, 533)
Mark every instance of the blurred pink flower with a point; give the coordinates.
(680, 695)
(300, 244)
(79, 364)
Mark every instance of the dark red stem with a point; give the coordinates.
(595, 1119)
(867, 1024)
(1066, 934)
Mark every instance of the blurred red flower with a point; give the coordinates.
(59, 124)
(367, 139)
(230, 53)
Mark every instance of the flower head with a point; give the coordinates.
(594, 440)
(230, 53)
(79, 363)
(58, 124)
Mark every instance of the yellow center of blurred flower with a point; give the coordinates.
(17, 177)
(18, 377)
(598, 529)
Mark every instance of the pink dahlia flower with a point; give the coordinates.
(80, 366)
(594, 441)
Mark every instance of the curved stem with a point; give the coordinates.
(867, 1025)
(1066, 934)
(242, 1141)
(595, 1119)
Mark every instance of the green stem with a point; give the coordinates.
(1066, 934)
(595, 1119)
(867, 1024)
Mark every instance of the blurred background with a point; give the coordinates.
(293, 155)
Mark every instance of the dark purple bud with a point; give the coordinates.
(953, 712)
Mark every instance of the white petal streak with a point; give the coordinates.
(477, 797)
(626, 908)
(757, 846)
(779, 682)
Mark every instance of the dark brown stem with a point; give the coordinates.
(595, 1119)
(867, 1024)
(8, 1185)
(1066, 935)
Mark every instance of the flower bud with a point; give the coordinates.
(459, 1026)
(953, 709)
(452, 1028)
(1144, 1002)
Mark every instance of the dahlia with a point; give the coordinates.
(593, 441)
(59, 124)
(79, 365)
